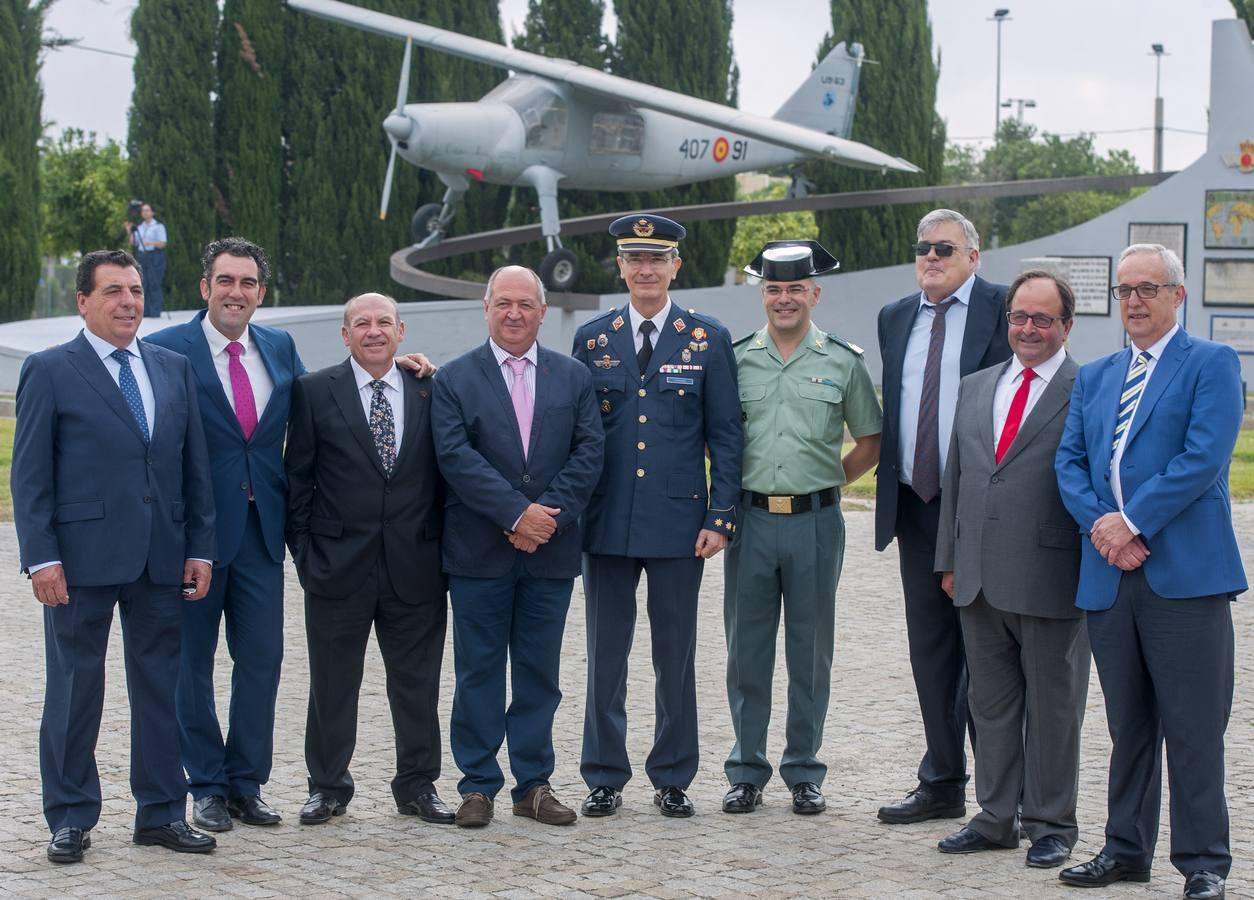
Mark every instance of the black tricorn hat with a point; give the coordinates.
(792, 261)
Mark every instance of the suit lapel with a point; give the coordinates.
(1051, 402)
(623, 343)
(1164, 371)
(1108, 410)
(674, 334)
(82, 357)
(901, 321)
(198, 354)
(981, 323)
(270, 359)
(347, 398)
(414, 397)
(544, 384)
(986, 393)
(496, 384)
(159, 380)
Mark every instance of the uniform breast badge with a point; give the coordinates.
(592, 343)
(602, 340)
(680, 325)
(605, 406)
(605, 362)
(686, 356)
(617, 323)
(698, 334)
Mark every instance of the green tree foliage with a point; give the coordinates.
(83, 194)
(247, 128)
(752, 232)
(655, 45)
(1020, 154)
(21, 104)
(1245, 12)
(170, 140)
(896, 113)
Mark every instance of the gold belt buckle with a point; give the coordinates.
(779, 505)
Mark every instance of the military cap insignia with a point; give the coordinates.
(617, 323)
(592, 343)
(602, 340)
(680, 325)
(698, 333)
(643, 228)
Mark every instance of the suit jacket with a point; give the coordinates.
(342, 509)
(1003, 528)
(236, 463)
(88, 491)
(652, 498)
(1173, 474)
(984, 344)
(490, 484)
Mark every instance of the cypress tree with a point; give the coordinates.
(21, 105)
(247, 129)
(170, 140)
(655, 45)
(896, 113)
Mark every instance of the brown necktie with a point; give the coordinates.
(926, 477)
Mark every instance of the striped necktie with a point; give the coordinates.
(1133, 388)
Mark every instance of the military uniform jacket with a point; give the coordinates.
(652, 499)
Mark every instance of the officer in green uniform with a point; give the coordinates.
(799, 388)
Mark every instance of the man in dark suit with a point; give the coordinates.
(665, 379)
(1143, 469)
(519, 443)
(1009, 556)
(113, 506)
(244, 374)
(953, 326)
(363, 525)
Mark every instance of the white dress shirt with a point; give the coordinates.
(258, 375)
(105, 350)
(529, 373)
(1008, 385)
(145, 233)
(659, 322)
(393, 393)
(1156, 353)
(950, 374)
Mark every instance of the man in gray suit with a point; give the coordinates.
(1009, 556)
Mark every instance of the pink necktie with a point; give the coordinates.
(242, 390)
(522, 400)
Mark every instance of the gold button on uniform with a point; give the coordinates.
(681, 392)
(642, 392)
(640, 446)
(639, 473)
(643, 419)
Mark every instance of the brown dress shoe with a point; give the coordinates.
(475, 811)
(540, 804)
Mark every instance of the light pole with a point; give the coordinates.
(1156, 51)
(999, 16)
(1021, 103)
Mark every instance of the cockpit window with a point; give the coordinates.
(542, 110)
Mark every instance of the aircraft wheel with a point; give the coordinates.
(558, 270)
(426, 221)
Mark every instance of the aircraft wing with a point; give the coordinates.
(716, 115)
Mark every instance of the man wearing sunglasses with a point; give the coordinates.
(953, 326)
(1143, 469)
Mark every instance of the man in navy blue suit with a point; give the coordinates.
(113, 506)
(1143, 469)
(519, 443)
(244, 374)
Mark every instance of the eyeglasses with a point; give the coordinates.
(641, 260)
(792, 292)
(1146, 290)
(942, 248)
(1040, 320)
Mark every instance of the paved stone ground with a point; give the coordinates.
(873, 746)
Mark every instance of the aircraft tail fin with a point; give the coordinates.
(825, 100)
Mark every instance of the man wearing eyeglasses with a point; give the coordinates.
(1143, 469)
(799, 388)
(953, 326)
(1009, 556)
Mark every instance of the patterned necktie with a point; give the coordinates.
(1015, 417)
(1133, 388)
(383, 427)
(926, 477)
(645, 353)
(242, 390)
(523, 402)
(130, 390)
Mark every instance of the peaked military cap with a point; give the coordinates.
(643, 233)
(792, 261)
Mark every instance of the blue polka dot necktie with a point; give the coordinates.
(130, 390)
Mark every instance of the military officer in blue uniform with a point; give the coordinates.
(665, 382)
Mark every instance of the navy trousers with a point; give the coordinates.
(76, 638)
(249, 594)
(151, 272)
(522, 619)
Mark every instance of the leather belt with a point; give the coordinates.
(788, 505)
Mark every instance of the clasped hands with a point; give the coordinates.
(536, 525)
(1116, 543)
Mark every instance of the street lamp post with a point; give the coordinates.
(1156, 50)
(999, 16)
(1019, 102)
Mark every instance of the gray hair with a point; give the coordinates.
(348, 307)
(487, 293)
(1171, 262)
(940, 217)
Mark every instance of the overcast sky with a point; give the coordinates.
(1087, 65)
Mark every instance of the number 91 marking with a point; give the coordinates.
(719, 149)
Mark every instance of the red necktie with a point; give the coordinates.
(1015, 417)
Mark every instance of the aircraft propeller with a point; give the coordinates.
(397, 125)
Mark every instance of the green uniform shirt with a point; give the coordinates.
(795, 412)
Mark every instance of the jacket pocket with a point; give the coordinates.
(80, 512)
(685, 486)
(325, 526)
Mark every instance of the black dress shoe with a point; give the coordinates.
(210, 813)
(320, 808)
(1199, 885)
(252, 810)
(602, 801)
(68, 844)
(920, 805)
(967, 840)
(428, 807)
(1101, 870)
(1048, 852)
(673, 802)
(807, 799)
(744, 797)
(177, 836)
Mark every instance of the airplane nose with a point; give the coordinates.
(398, 127)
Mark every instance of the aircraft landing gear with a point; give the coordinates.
(558, 270)
(431, 221)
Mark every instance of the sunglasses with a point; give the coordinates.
(942, 248)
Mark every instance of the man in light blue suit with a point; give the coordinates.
(1143, 469)
(244, 374)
